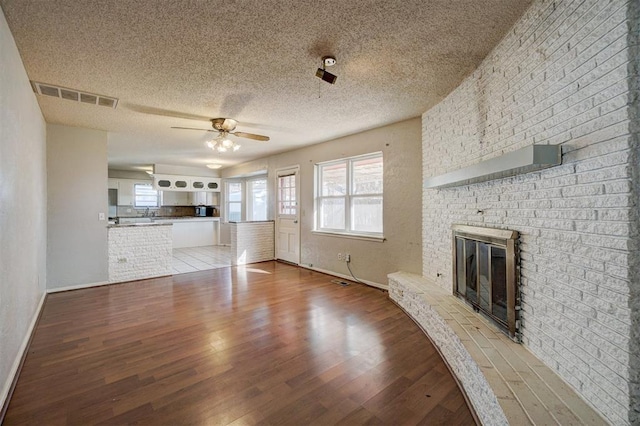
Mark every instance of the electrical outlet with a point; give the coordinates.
(340, 257)
(347, 257)
(122, 260)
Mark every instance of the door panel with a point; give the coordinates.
(287, 215)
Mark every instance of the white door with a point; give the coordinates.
(288, 215)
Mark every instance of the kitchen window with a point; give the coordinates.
(257, 199)
(349, 196)
(234, 201)
(144, 196)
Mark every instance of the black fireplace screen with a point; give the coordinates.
(485, 273)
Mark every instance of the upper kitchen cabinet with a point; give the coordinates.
(204, 198)
(186, 183)
(126, 190)
(175, 198)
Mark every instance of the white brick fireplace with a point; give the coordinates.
(566, 73)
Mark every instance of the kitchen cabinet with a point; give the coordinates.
(213, 199)
(197, 198)
(186, 183)
(125, 192)
(175, 198)
(125, 189)
(203, 198)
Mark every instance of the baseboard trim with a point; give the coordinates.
(14, 373)
(346, 277)
(79, 286)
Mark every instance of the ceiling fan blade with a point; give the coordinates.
(250, 136)
(164, 112)
(193, 128)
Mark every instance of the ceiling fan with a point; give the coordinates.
(226, 126)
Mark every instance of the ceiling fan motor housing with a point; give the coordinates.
(224, 124)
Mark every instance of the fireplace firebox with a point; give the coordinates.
(485, 273)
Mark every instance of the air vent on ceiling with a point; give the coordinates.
(73, 95)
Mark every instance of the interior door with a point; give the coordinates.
(288, 215)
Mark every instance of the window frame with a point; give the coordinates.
(348, 197)
(135, 196)
(227, 202)
(246, 202)
(250, 199)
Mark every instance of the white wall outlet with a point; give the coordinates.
(101, 216)
(340, 256)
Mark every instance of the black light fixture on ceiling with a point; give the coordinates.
(322, 73)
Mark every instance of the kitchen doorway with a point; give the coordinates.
(288, 214)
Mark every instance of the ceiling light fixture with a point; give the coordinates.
(323, 74)
(223, 144)
(214, 166)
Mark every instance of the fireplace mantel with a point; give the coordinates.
(524, 160)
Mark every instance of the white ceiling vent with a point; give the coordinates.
(73, 95)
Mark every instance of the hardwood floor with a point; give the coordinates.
(268, 343)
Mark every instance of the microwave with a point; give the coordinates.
(205, 211)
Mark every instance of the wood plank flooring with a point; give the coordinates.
(268, 343)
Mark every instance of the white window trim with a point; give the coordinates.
(245, 199)
(249, 196)
(135, 198)
(377, 236)
(226, 199)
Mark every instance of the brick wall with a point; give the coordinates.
(137, 252)
(561, 76)
(252, 242)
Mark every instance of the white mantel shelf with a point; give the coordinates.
(524, 160)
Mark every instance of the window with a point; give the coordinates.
(144, 195)
(257, 199)
(287, 203)
(349, 195)
(234, 201)
(246, 199)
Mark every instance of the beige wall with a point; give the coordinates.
(23, 202)
(77, 191)
(370, 260)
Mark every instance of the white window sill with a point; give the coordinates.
(379, 239)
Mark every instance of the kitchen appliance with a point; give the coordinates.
(201, 211)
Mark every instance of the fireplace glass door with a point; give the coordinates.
(485, 276)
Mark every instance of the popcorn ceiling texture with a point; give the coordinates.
(565, 74)
(250, 60)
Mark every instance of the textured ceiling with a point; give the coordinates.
(171, 62)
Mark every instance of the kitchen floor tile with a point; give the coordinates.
(191, 259)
